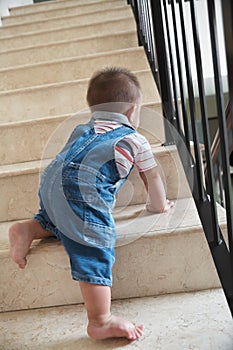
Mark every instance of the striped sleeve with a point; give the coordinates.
(144, 159)
(133, 149)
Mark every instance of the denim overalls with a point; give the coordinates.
(77, 193)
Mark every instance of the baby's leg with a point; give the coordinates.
(102, 324)
(21, 236)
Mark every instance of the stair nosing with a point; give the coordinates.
(51, 10)
(54, 43)
(151, 234)
(41, 4)
(50, 119)
(60, 84)
(63, 17)
(63, 28)
(33, 166)
(71, 59)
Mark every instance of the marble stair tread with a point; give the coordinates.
(72, 68)
(155, 254)
(51, 5)
(18, 142)
(134, 222)
(48, 24)
(68, 48)
(72, 8)
(59, 98)
(19, 184)
(66, 32)
(198, 320)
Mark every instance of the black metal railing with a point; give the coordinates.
(169, 31)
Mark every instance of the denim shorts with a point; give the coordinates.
(88, 264)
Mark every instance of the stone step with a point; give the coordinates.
(70, 48)
(68, 32)
(18, 139)
(68, 69)
(19, 182)
(55, 23)
(51, 5)
(155, 254)
(69, 9)
(60, 98)
(197, 320)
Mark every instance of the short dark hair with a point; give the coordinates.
(113, 84)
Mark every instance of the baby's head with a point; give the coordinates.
(115, 90)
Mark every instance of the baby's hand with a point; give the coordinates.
(168, 206)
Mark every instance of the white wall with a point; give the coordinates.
(6, 4)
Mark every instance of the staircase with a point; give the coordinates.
(48, 52)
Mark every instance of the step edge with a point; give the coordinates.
(63, 17)
(13, 16)
(41, 4)
(185, 229)
(73, 59)
(70, 41)
(60, 84)
(62, 117)
(34, 166)
(51, 119)
(64, 28)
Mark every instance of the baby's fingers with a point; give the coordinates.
(168, 206)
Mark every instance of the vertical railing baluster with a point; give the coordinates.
(222, 122)
(192, 106)
(227, 8)
(181, 79)
(205, 125)
(219, 178)
(173, 74)
(164, 71)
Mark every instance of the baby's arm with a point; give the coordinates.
(155, 188)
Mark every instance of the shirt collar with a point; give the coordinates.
(112, 116)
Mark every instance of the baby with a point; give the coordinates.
(77, 195)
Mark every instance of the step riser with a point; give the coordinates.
(65, 33)
(58, 99)
(68, 49)
(21, 187)
(64, 21)
(70, 69)
(18, 139)
(74, 9)
(179, 263)
(49, 5)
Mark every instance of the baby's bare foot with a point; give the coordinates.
(20, 239)
(115, 327)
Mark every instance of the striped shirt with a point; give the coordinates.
(133, 149)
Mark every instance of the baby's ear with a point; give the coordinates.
(130, 113)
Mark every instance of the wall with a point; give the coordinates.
(6, 4)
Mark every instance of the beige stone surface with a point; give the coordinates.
(68, 48)
(67, 32)
(72, 8)
(24, 141)
(51, 5)
(53, 23)
(19, 184)
(59, 98)
(199, 321)
(155, 254)
(72, 68)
